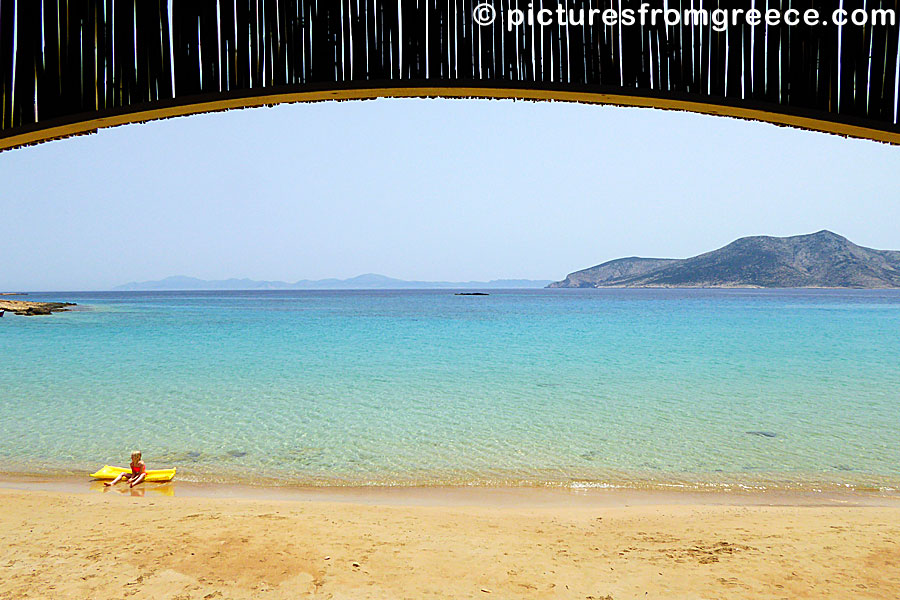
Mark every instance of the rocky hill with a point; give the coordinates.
(823, 259)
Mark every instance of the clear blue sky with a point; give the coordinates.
(423, 189)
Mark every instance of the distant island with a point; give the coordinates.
(370, 281)
(818, 260)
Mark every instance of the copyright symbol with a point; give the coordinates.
(484, 14)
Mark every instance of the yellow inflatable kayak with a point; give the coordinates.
(159, 475)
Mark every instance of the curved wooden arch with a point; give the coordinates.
(70, 67)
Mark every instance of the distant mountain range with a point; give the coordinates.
(817, 260)
(362, 282)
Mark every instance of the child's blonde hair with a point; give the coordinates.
(135, 453)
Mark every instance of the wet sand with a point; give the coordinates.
(181, 541)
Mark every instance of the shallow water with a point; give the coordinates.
(635, 388)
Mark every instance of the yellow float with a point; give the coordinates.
(155, 476)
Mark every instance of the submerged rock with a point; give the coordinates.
(180, 456)
(767, 434)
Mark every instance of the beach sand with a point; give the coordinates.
(59, 544)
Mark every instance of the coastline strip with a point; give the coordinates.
(484, 496)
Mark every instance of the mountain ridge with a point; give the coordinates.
(367, 281)
(817, 260)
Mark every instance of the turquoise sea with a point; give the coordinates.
(634, 388)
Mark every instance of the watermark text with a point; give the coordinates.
(718, 19)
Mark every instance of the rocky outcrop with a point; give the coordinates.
(818, 260)
(32, 309)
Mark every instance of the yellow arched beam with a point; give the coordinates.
(140, 116)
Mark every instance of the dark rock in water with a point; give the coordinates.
(178, 457)
(237, 453)
(762, 433)
(32, 309)
(472, 294)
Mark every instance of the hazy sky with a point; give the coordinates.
(423, 189)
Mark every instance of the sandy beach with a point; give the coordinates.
(89, 544)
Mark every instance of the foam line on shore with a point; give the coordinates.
(518, 496)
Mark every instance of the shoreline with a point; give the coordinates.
(625, 481)
(456, 495)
